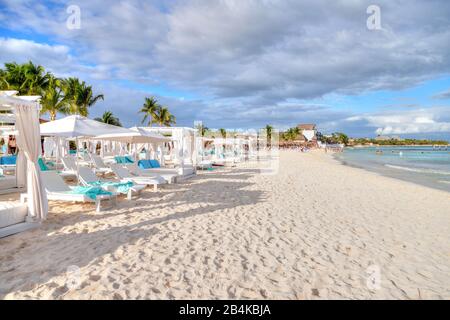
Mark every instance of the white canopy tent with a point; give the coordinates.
(134, 135)
(76, 126)
(137, 137)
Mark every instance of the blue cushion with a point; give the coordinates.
(144, 164)
(155, 164)
(8, 160)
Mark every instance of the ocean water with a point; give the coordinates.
(421, 165)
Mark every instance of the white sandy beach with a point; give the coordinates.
(309, 232)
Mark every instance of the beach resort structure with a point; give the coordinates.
(33, 207)
(308, 133)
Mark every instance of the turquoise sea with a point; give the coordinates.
(421, 165)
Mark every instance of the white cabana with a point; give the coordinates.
(19, 217)
(184, 152)
(137, 137)
(76, 126)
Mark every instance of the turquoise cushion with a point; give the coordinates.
(42, 165)
(155, 164)
(128, 159)
(120, 160)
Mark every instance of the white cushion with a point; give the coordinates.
(12, 212)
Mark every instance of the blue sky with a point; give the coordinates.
(244, 64)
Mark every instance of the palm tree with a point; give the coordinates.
(70, 87)
(27, 78)
(202, 129)
(37, 79)
(163, 117)
(80, 96)
(149, 109)
(269, 130)
(15, 76)
(223, 132)
(53, 100)
(4, 84)
(109, 118)
(85, 99)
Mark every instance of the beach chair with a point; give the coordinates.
(99, 165)
(89, 178)
(125, 175)
(58, 190)
(70, 164)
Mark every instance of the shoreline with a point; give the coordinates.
(312, 231)
(397, 145)
(385, 170)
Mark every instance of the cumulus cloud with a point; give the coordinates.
(420, 121)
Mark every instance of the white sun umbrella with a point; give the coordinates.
(134, 136)
(76, 126)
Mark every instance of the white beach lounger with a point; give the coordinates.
(125, 175)
(86, 176)
(70, 167)
(58, 190)
(99, 165)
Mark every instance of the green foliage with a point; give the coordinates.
(80, 96)
(156, 113)
(223, 133)
(397, 142)
(65, 96)
(163, 117)
(291, 134)
(53, 100)
(202, 129)
(109, 118)
(27, 78)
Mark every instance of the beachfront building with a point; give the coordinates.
(308, 132)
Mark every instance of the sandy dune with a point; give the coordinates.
(316, 230)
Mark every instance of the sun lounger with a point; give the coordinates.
(58, 190)
(125, 175)
(99, 165)
(89, 178)
(65, 173)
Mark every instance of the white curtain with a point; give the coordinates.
(29, 142)
(50, 147)
(21, 167)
